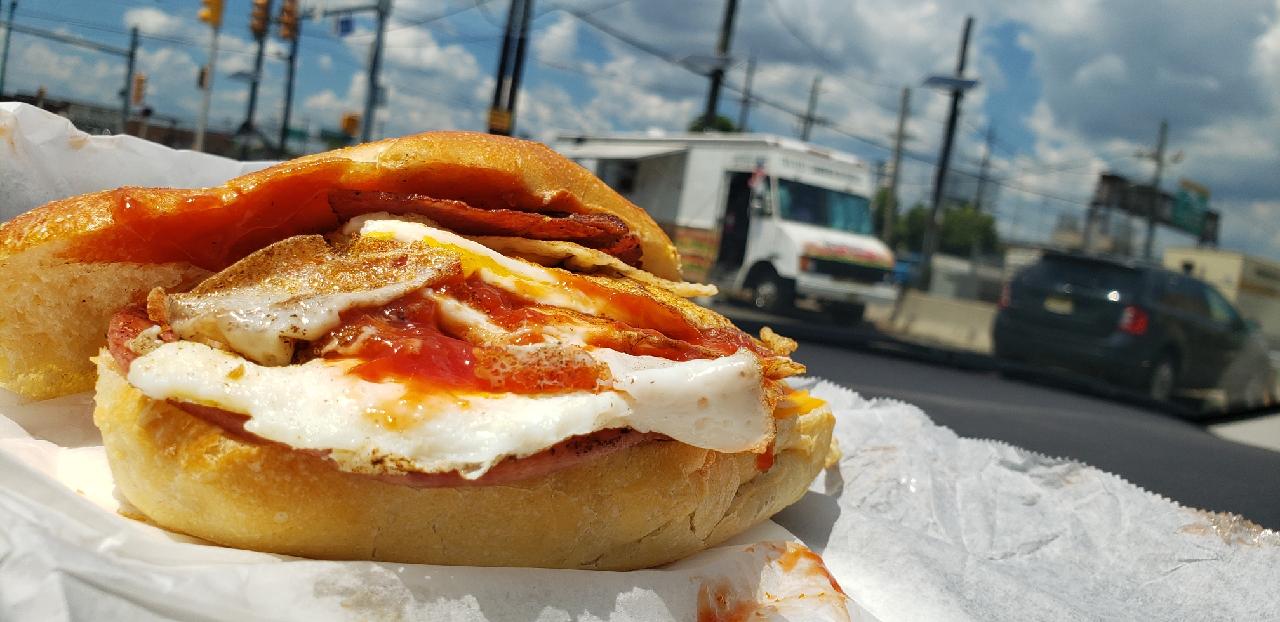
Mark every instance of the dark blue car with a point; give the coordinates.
(1135, 325)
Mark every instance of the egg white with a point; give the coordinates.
(714, 404)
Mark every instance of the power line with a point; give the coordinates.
(586, 17)
(453, 98)
(445, 14)
(817, 51)
(635, 43)
(488, 17)
(690, 67)
(832, 63)
(50, 17)
(593, 72)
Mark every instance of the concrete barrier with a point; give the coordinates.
(962, 324)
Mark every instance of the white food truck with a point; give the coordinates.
(761, 216)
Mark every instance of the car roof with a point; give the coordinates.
(1132, 263)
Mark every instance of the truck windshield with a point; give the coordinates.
(826, 208)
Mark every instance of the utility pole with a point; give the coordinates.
(722, 58)
(745, 105)
(383, 9)
(129, 67)
(978, 201)
(1153, 209)
(8, 38)
(506, 88)
(517, 66)
(979, 197)
(878, 172)
(499, 117)
(259, 24)
(944, 159)
(210, 13)
(891, 210)
(1016, 212)
(126, 95)
(806, 126)
(291, 30)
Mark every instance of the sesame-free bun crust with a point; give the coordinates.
(635, 508)
(67, 266)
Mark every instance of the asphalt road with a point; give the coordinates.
(1156, 451)
(1153, 449)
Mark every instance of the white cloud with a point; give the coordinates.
(1104, 71)
(418, 50)
(559, 42)
(154, 21)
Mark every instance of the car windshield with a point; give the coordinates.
(812, 205)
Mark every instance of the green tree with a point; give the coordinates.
(722, 124)
(960, 229)
(908, 231)
(965, 229)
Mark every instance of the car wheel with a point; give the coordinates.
(1164, 378)
(848, 314)
(772, 293)
(1255, 393)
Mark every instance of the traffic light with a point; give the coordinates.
(289, 20)
(259, 18)
(139, 88)
(350, 123)
(211, 12)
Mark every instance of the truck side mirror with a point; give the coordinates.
(761, 208)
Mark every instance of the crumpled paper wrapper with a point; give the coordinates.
(914, 523)
(43, 157)
(920, 524)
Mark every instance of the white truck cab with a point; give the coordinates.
(765, 218)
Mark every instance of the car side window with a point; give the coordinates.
(1183, 295)
(1194, 291)
(1220, 311)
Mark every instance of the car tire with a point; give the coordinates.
(772, 293)
(1254, 393)
(1163, 379)
(847, 314)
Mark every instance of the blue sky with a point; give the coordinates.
(1070, 90)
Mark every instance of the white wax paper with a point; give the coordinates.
(43, 157)
(915, 523)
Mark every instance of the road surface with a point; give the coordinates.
(1085, 422)
(1153, 450)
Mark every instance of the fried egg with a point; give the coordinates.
(374, 426)
(388, 426)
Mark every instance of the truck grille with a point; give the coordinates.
(848, 271)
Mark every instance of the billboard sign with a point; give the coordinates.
(1190, 205)
(1186, 210)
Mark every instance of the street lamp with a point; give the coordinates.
(957, 84)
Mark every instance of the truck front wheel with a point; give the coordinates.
(772, 293)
